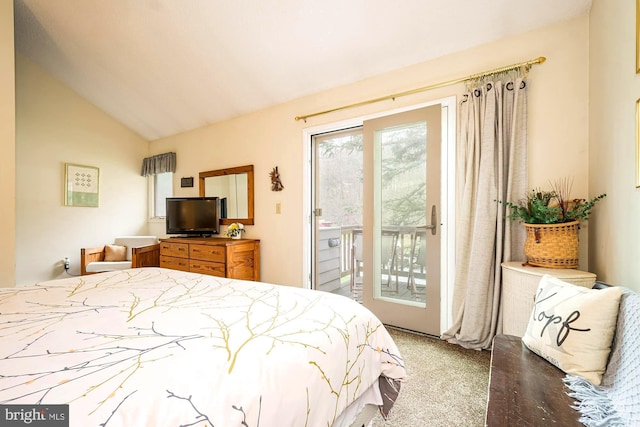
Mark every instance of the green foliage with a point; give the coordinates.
(549, 207)
(581, 211)
(403, 175)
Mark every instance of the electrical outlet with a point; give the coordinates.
(66, 264)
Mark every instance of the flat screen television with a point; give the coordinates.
(193, 216)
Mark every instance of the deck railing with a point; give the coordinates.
(346, 246)
(403, 261)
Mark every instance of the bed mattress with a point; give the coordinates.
(159, 347)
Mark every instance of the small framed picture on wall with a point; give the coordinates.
(637, 36)
(81, 185)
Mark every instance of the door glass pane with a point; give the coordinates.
(401, 192)
(338, 210)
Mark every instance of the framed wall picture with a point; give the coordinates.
(186, 182)
(81, 185)
(637, 36)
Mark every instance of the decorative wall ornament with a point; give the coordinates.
(81, 185)
(276, 185)
(186, 182)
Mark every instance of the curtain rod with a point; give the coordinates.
(538, 60)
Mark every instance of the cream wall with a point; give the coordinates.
(558, 137)
(614, 88)
(54, 126)
(558, 110)
(7, 147)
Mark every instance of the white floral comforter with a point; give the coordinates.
(157, 347)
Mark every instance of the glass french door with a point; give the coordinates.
(376, 216)
(401, 218)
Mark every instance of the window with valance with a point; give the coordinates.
(160, 163)
(160, 169)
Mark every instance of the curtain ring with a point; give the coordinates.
(477, 93)
(489, 86)
(466, 97)
(522, 84)
(509, 86)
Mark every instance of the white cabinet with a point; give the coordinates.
(519, 285)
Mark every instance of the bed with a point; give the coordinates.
(159, 347)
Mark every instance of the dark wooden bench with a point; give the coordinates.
(525, 389)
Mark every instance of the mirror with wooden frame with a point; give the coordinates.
(234, 186)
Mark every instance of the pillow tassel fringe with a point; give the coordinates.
(593, 403)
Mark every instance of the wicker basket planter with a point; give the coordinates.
(552, 245)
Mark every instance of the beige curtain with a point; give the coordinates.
(491, 165)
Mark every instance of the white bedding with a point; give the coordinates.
(158, 347)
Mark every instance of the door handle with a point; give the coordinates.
(434, 221)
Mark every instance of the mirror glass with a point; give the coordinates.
(232, 189)
(235, 187)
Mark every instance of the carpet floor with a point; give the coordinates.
(446, 384)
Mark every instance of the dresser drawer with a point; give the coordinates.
(173, 263)
(180, 250)
(207, 253)
(207, 267)
(235, 259)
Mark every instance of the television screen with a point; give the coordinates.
(193, 215)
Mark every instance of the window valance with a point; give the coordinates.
(159, 163)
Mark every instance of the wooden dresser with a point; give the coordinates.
(216, 256)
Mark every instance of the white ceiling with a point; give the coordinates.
(166, 66)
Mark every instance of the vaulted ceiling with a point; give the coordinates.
(162, 67)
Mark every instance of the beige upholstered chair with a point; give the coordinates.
(126, 252)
